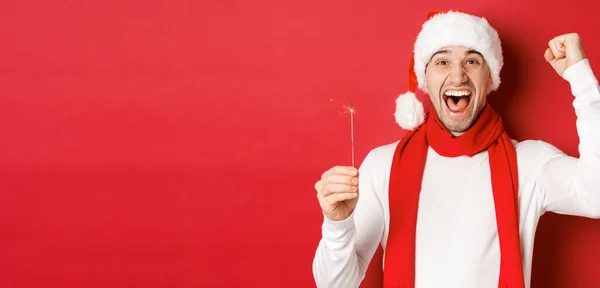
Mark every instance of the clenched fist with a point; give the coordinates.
(337, 192)
(564, 51)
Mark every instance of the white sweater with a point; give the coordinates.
(457, 238)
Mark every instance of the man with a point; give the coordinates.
(456, 202)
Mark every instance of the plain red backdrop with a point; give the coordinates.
(176, 143)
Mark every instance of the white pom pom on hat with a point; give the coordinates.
(443, 29)
(409, 110)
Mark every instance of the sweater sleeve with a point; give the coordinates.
(347, 246)
(571, 185)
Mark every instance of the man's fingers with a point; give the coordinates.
(338, 197)
(343, 170)
(557, 47)
(335, 188)
(341, 179)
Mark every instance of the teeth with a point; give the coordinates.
(457, 93)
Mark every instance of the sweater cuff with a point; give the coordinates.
(580, 76)
(337, 229)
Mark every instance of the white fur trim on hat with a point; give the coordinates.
(458, 29)
(409, 111)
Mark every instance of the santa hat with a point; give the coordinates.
(443, 29)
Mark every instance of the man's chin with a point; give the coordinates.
(460, 125)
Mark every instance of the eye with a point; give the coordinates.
(441, 62)
(473, 62)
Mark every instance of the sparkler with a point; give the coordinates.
(352, 130)
(350, 109)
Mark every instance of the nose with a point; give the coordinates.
(457, 75)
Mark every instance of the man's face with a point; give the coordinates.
(457, 81)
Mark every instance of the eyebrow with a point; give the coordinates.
(447, 52)
(439, 52)
(473, 52)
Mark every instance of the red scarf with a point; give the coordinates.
(487, 133)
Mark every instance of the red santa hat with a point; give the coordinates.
(451, 28)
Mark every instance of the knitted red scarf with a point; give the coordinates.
(487, 133)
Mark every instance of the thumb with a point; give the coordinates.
(548, 55)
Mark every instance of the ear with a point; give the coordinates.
(489, 85)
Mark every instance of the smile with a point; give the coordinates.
(457, 101)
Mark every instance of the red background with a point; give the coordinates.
(176, 143)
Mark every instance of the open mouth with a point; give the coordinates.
(457, 100)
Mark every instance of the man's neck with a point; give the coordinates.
(456, 134)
